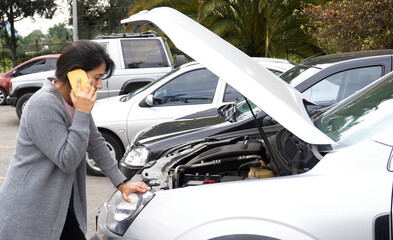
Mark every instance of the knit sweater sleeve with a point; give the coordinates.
(101, 155)
(46, 125)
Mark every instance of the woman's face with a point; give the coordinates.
(96, 76)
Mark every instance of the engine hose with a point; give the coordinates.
(256, 163)
(210, 163)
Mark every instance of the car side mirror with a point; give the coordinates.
(227, 112)
(150, 100)
(14, 73)
(180, 60)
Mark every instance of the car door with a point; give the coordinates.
(187, 93)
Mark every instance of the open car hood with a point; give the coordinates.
(281, 101)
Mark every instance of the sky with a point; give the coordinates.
(28, 25)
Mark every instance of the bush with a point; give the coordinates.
(351, 25)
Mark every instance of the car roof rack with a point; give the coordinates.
(149, 33)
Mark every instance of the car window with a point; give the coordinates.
(340, 85)
(143, 53)
(132, 94)
(276, 72)
(298, 74)
(231, 94)
(194, 87)
(361, 115)
(243, 110)
(32, 67)
(52, 63)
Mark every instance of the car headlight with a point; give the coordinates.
(121, 213)
(137, 156)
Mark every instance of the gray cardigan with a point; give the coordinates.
(49, 159)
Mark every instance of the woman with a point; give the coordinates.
(44, 193)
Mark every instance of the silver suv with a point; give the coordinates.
(139, 59)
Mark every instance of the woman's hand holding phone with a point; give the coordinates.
(84, 99)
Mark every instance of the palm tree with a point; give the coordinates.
(267, 28)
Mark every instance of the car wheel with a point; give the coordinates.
(20, 105)
(3, 95)
(116, 149)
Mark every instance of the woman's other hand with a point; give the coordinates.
(127, 188)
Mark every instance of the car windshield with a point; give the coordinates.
(132, 94)
(298, 74)
(243, 110)
(361, 115)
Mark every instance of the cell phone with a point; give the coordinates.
(73, 77)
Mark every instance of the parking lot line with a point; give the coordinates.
(7, 146)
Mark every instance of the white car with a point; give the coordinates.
(185, 90)
(345, 194)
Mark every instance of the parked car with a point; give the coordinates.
(340, 181)
(325, 80)
(190, 88)
(139, 59)
(37, 64)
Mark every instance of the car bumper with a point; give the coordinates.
(102, 232)
(129, 171)
(11, 100)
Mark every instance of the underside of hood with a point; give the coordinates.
(255, 82)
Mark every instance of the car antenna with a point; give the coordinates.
(269, 147)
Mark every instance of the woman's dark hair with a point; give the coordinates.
(84, 54)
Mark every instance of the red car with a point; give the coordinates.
(37, 64)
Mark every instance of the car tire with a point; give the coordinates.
(3, 95)
(20, 105)
(115, 147)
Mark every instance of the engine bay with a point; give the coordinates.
(232, 159)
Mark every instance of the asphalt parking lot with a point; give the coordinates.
(99, 189)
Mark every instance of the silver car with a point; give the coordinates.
(345, 194)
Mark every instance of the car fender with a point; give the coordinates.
(136, 81)
(25, 88)
(245, 228)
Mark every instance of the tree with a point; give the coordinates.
(258, 27)
(114, 12)
(14, 10)
(89, 16)
(267, 28)
(102, 17)
(351, 25)
(32, 37)
(60, 32)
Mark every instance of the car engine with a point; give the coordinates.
(231, 159)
